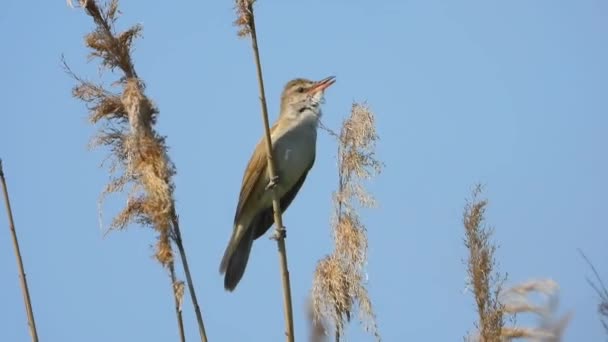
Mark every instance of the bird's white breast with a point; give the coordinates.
(295, 151)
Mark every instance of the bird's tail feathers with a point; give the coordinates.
(235, 258)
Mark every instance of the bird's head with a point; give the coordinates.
(303, 97)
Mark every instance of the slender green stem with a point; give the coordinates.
(177, 238)
(24, 288)
(278, 220)
(178, 304)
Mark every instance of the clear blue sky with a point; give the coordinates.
(510, 93)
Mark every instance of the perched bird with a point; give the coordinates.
(294, 140)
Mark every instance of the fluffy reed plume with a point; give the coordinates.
(139, 161)
(339, 278)
(516, 300)
(600, 288)
(484, 280)
(316, 327)
(495, 304)
(243, 17)
(140, 165)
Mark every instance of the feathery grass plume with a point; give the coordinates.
(516, 300)
(600, 288)
(494, 303)
(140, 165)
(339, 280)
(139, 161)
(316, 326)
(243, 17)
(484, 280)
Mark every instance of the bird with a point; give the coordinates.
(294, 139)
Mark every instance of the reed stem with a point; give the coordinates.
(177, 238)
(23, 281)
(280, 231)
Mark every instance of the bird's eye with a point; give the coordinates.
(300, 89)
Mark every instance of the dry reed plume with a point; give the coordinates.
(140, 165)
(338, 283)
(316, 326)
(495, 304)
(485, 282)
(516, 300)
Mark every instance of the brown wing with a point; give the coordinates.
(265, 219)
(255, 169)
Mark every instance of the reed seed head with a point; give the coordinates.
(339, 280)
(139, 163)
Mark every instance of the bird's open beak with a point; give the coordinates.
(322, 84)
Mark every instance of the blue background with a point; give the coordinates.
(511, 94)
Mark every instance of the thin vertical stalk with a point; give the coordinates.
(279, 234)
(177, 238)
(178, 309)
(24, 289)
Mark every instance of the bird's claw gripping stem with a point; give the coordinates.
(274, 181)
(279, 233)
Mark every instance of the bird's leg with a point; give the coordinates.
(274, 181)
(279, 232)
